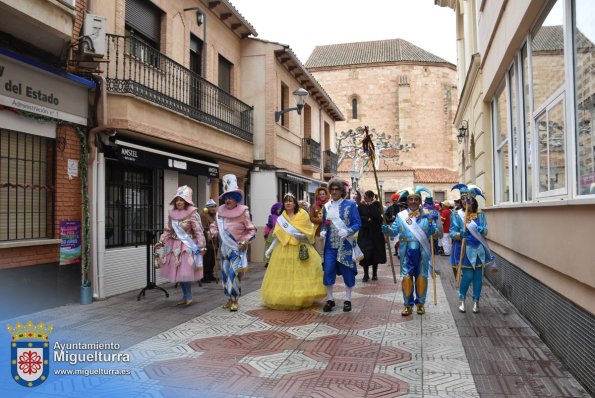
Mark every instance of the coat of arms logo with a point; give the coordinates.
(30, 353)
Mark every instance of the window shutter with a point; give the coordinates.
(145, 18)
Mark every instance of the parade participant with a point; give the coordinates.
(207, 217)
(235, 231)
(343, 222)
(445, 217)
(414, 229)
(276, 210)
(391, 213)
(304, 205)
(370, 238)
(294, 277)
(469, 226)
(322, 196)
(184, 243)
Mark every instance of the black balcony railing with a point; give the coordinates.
(138, 69)
(310, 152)
(330, 162)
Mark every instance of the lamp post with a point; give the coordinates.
(462, 131)
(300, 99)
(381, 198)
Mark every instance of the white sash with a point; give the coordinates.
(335, 218)
(339, 224)
(287, 227)
(472, 227)
(187, 240)
(227, 240)
(416, 230)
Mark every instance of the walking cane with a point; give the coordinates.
(433, 270)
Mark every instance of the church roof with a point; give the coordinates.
(369, 52)
(437, 175)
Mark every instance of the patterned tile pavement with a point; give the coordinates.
(206, 351)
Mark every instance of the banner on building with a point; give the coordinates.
(70, 242)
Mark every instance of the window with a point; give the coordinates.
(26, 186)
(307, 111)
(225, 80)
(584, 72)
(528, 136)
(548, 83)
(550, 148)
(143, 31)
(354, 108)
(284, 105)
(514, 130)
(196, 55)
(502, 159)
(133, 203)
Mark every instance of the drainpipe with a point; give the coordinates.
(94, 178)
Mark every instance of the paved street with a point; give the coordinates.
(206, 351)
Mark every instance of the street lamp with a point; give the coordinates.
(462, 131)
(380, 184)
(300, 99)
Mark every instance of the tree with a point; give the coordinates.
(349, 146)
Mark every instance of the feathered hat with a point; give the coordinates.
(184, 192)
(468, 190)
(405, 193)
(230, 188)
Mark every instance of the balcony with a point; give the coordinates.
(310, 154)
(138, 69)
(330, 163)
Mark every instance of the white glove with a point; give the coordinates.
(269, 251)
(343, 233)
(300, 236)
(323, 234)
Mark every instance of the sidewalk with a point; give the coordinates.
(206, 351)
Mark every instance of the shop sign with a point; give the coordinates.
(32, 89)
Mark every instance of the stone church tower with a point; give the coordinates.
(400, 90)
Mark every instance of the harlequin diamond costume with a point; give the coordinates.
(235, 230)
(414, 228)
(184, 242)
(470, 224)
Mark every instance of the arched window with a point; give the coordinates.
(354, 108)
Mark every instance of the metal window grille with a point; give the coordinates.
(26, 186)
(133, 203)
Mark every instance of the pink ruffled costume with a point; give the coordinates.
(177, 263)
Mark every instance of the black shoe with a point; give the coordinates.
(205, 280)
(365, 278)
(374, 277)
(347, 306)
(328, 307)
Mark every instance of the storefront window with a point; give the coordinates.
(132, 203)
(26, 186)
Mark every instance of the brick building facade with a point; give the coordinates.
(401, 90)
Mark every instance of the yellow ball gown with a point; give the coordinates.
(291, 283)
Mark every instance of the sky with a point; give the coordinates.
(305, 24)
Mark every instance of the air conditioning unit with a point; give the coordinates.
(93, 40)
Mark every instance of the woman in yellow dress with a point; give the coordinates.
(292, 281)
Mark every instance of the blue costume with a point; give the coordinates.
(338, 251)
(476, 253)
(415, 254)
